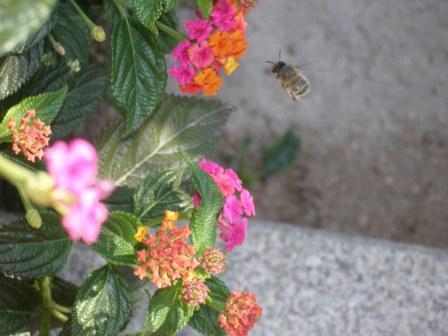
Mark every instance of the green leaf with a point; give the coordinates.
(121, 199)
(158, 192)
(205, 6)
(27, 252)
(218, 291)
(138, 73)
(170, 5)
(63, 292)
(167, 314)
(180, 124)
(204, 218)
(21, 18)
(85, 93)
(148, 11)
(71, 31)
(167, 42)
(15, 69)
(282, 155)
(205, 321)
(102, 306)
(47, 106)
(18, 304)
(116, 242)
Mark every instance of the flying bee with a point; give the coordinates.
(291, 78)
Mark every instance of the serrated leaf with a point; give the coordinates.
(138, 73)
(218, 291)
(16, 69)
(121, 199)
(158, 192)
(148, 11)
(179, 124)
(205, 321)
(205, 6)
(21, 18)
(102, 306)
(204, 219)
(27, 252)
(282, 154)
(85, 93)
(116, 242)
(18, 303)
(167, 314)
(71, 31)
(47, 106)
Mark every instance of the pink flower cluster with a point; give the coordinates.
(74, 169)
(232, 222)
(213, 44)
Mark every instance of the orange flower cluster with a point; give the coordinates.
(213, 260)
(31, 137)
(240, 315)
(167, 256)
(213, 44)
(194, 292)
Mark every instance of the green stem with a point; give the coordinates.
(120, 8)
(170, 31)
(83, 15)
(32, 215)
(14, 173)
(45, 292)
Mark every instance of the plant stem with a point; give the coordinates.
(83, 15)
(120, 8)
(14, 173)
(170, 31)
(45, 292)
(32, 215)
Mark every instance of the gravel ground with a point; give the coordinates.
(373, 129)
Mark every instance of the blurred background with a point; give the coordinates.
(367, 150)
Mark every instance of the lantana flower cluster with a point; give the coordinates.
(238, 203)
(240, 315)
(213, 44)
(30, 137)
(78, 193)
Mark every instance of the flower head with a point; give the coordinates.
(213, 260)
(201, 55)
(31, 137)
(167, 257)
(223, 14)
(198, 29)
(141, 234)
(194, 292)
(183, 73)
(240, 315)
(209, 81)
(232, 233)
(73, 167)
(180, 52)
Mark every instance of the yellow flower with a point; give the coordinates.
(230, 66)
(141, 234)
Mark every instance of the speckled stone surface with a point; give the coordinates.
(313, 282)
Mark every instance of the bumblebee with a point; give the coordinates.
(292, 79)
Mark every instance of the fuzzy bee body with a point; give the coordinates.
(292, 80)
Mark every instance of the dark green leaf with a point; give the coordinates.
(116, 242)
(121, 199)
(102, 306)
(204, 219)
(15, 69)
(170, 5)
(64, 292)
(205, 321)
(47, 106)
(138, 73)
(21, 18)
(148, 11)
(158, 192)
(167, 314)
(18, 303)
(218, 291)
(71, 31)
(180, 124)
(205, 6)
(282, 155)
(27, 252)
(85, 92)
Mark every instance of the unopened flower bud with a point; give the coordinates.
(213, 260)
(194, 292)
(98, 33)
(33, 218)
